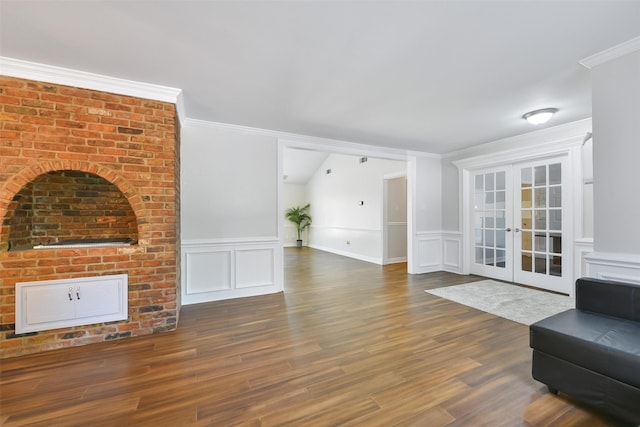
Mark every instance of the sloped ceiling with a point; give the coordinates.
(300, 165)
(433, 76)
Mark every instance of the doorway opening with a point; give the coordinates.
(394, 219)
(348, 202)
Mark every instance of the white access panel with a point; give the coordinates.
(63, 303)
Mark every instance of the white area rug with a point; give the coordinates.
(522, 305)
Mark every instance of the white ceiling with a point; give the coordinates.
(432, 76)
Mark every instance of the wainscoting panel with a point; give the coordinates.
(452, 252)
(429, 251)
(207, 271)
(611, 266)
(224, 269)
(254, 267)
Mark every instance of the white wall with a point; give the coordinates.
(340, 223)
(450, 196)
(228, 183)
(229, 213)
(428, 194)
(616, 151)
(293, 195)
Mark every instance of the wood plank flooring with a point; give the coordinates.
(348, 343)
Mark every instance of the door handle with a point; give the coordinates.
(507, 229)
(517, 230)
(69, 293)
(78, 292)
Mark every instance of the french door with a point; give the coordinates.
(493, 250)
(521, 215)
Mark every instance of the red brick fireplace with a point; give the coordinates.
(117, 156)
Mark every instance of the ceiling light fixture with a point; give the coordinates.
(539, 117)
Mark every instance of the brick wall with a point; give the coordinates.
(129, 142)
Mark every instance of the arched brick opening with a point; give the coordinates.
(33, 173)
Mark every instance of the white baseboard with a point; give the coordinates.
(395, 260)
(347, 254)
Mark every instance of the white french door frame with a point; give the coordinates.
(568, 147)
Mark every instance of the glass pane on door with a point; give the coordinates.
(541, 219)
(489, 219)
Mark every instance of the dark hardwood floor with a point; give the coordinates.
(348, 343)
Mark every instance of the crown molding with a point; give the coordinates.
(180, 110)
(553, 137)
(612, 53)
(48, 73)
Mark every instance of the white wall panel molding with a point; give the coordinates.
(429, 244)
(452, 251)
(218, 269)
(194, 243)
(613, 266)
(207, 270)
(255, 267)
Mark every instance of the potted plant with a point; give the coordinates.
(301, 218)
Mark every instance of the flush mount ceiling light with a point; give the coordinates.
(539, 117)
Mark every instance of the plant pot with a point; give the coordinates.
(299, 243)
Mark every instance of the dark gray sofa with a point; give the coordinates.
(592, 352)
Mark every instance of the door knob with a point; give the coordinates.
(517, 230)
(507, 229)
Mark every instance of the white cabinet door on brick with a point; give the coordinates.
(54, 304)
(101, 298)
(48, 303)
